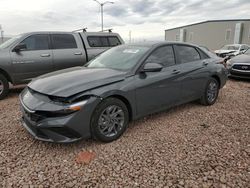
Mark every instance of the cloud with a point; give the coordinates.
(145, 18)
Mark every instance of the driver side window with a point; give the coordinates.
(37, 42)
(163, 55)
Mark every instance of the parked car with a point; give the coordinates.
(231, 50)
(239, 66)
(32, 54)
(122, 84)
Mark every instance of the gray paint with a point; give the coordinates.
(212, 34)
(21, 67)
(145, 92)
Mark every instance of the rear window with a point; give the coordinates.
(103, 41)
(187, 54)
(63, 41)
(114, 41)
(203, 54)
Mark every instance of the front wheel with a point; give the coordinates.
(109, 120)
(211, 92)
(4, 87)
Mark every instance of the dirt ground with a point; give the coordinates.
(187, 146)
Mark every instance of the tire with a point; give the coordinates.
(4, 87)
(211, 92)
(103, 120)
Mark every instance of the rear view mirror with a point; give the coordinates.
(152, 67)
(20, 47)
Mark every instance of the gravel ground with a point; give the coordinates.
(188, 146)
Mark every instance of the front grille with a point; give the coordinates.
(33, 116)
(242, 67)
(34, 129)
(240, 74)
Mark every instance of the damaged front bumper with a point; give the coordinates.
(63, 128)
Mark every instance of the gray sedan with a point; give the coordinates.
(239, 66)
(120, 85)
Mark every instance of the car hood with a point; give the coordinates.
(224, 51)
(241, 59)
(2, 51)
(68, 82)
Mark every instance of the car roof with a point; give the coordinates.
(70, 32)
(99, 33)
(45, 32)
(159, 43)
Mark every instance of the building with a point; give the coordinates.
(212, 34)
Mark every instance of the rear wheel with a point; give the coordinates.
(4, 87)
(110, 120)
(211, 92)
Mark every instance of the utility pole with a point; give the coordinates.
(130, 35)
(102, 4)
(1, 32)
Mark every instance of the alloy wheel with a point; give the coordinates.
(212, 91)
(111, 121)
(1, 87)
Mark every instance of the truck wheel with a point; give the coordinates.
(4, 87)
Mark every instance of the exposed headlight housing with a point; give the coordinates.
(229, 64)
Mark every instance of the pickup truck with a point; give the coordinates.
(29, 55)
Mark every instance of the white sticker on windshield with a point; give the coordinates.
(131, 51)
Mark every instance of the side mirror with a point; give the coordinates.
(20, 47)
(152, 67)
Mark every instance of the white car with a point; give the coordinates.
(231, 50)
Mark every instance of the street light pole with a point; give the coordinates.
(102, 4)
(102, 16)
(1, 33)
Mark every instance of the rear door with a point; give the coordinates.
(158, 90)
(33, 61)
(193, 65)
(67, 51)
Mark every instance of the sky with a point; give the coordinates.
(146, 19)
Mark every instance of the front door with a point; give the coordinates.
(158, 90)
(33, 61)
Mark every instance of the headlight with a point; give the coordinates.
(76, 106)
(229, 64)
(71, 108)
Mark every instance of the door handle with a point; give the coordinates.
(78, 53)
(45, 55)
(176, 71)
(205, 63)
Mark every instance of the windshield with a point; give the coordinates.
(210, 53)
(247, 52)
(7, 43)
(121, 57)
(230, 47)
